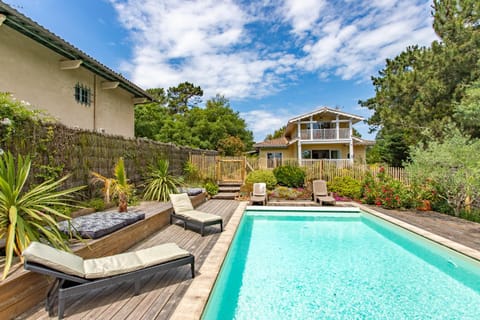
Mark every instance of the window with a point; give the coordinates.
(274, 159)
(321, 154)
(83, 94)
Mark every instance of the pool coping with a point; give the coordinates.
(455, 246)
(195, 299)
(193, 302)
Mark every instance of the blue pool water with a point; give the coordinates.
(345, 265)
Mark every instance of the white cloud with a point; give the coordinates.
(263, 122)
(302, 14)
(243, 49)
(355, 41)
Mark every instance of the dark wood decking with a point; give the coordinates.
(160, 294)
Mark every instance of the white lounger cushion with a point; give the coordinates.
(131, 261)
(200, 216)
(181, 202)
(183, 207)
(105, 266)
(62, 261)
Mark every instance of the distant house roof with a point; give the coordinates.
(362, 142)
(36, 32)
(281, 142)
(321, 110)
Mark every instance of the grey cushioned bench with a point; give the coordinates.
(99, 224)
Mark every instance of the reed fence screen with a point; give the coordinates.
(57, 150)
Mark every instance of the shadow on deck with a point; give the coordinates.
(160, 294)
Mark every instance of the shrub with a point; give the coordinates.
(453, 165)
(386, 192)
(290, 176)
(211, 188)
(96, 203)
(346, 186)
(191, 172)
(291, 193)
(266, 176)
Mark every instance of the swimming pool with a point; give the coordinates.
(340, 265)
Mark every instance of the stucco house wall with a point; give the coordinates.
(31, 72)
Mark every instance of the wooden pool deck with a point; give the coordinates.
(159, 295)
(162, 296)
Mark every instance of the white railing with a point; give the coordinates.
(325, 134)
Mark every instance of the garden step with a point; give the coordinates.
(232, 188)
(225, 195)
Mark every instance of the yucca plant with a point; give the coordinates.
(29, 215)
(160, 183)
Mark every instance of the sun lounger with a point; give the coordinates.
(320, 193)
(75, 275)
(259, 193)
(183, 210)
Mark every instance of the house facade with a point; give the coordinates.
(52, 75)
(324, 134)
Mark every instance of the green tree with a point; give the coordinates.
(276, 134)
(231, 146)
(190, 125)
(419, 88)
(467, 112)
(183, 96)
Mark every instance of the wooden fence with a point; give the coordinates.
(329, 169)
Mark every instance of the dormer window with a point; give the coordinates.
(83, 94)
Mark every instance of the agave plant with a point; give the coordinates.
(29, 215)
(160, 183)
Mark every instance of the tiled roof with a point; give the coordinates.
(281, 142)
(36, 32)
(362, 142)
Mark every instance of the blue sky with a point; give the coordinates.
(273, 59)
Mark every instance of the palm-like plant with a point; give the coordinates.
(27, 216)
(160, 183)
(120, 186)
(107, 184)
(117, 187)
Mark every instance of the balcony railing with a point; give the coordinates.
(325, 134)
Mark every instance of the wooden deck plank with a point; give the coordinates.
(160, 294)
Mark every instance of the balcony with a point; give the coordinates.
(325, 134)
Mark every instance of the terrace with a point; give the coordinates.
(174, 295)
(158, 296)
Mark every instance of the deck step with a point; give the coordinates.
(228, 189)
(225, 195)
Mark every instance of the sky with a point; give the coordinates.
(272, 59)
